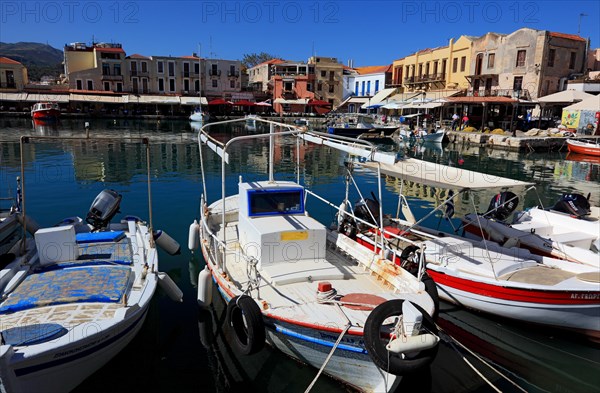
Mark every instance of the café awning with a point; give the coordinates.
(196, 101)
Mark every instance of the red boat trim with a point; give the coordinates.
(538, 296)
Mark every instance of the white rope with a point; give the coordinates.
(451, 340)
(308, 389)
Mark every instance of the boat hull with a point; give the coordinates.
(590, 149)
(311, 345)
(564, 309)
(63, 368)
(46, 114)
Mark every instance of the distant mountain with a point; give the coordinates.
(40, 59)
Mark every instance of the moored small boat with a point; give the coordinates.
(75, 295)
(306, 290)
(584, 147)
(45, 111)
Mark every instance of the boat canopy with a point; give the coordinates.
(437, 175)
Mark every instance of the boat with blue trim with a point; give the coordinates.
(75, 295)
(306, 290)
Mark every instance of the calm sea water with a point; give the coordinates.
(182, 350)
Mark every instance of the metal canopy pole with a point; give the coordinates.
(271, 150)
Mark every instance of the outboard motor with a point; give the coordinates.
(367, 210)
(574, 204)
(103, 209)
(502, 205)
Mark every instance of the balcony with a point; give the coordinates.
(234, 74)
(138, 73)
(516, 94)
(189, 74)
(427, 78)
(106, 77)
(214, 72)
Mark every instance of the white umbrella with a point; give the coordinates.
(569, 96)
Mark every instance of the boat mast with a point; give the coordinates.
(271, 151)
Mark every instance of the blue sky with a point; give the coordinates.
(369, 32)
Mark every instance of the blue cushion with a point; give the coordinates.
(99, 237)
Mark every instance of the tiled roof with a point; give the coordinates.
(567, 36)
(6, 60)
(272, 61)
(138, 56)
(190, 57)
(373, 69)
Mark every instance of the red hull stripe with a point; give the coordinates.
(514, 294)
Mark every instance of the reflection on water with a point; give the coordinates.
(64, 176)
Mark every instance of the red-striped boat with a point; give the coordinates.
(45, 111)
(584, 147)
(511, 283)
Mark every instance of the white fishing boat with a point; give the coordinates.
(75, 295)
(251, 120)
(198, 116)
(308, 291)
(482, 275)
(421, 135)
(566, 231)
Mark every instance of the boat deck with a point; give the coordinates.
(289, 289)
(90, 288)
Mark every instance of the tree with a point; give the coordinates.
(251, 59)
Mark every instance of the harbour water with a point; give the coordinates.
(180, 349)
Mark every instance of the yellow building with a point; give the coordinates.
(13, 75)
(436, 69)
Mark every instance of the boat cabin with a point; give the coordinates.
(274, 227)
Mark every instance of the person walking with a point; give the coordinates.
(454, 121)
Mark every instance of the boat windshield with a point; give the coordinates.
(275, 202)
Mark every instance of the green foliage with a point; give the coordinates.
(251, 59)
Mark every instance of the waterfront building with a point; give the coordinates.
(100, 66)
(328, 73)
(13, 75)
(221, 78)
(525, 64)
(437, 71)
(292, 86)
(259, 76)
(361, 84)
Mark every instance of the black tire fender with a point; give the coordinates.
(432, 291)
(375, 342)
(245, 320)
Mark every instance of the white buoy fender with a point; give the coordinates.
(405, 344)
(31, 224)
(166, 242)
(193, 237)
(204, 288)
(169, 286)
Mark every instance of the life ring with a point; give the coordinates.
(246, 322)
(374, 342)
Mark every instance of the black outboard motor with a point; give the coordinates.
(502, 205)
(574, 204)
(103, 209)
(367, 210)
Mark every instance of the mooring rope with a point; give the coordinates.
(451, 340)
(339, 339)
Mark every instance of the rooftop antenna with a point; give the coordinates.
(579, 25)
